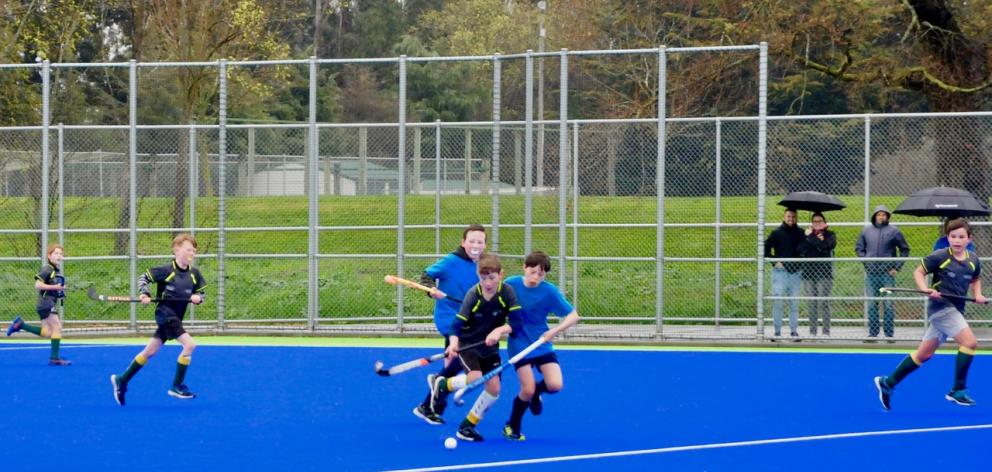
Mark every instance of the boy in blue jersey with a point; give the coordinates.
(482, 317)
(454, 275)
(51, 288)
(177, 284)
(954, 271)
(538, 298)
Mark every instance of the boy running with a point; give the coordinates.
(538, 299)
(51, 288)
(177, 284)
(483, 316)
(954, 270)
(454, 275)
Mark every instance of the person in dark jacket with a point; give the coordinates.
(784, 242)
(881, 239)
(818, 277)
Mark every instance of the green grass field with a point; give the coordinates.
(352, 286)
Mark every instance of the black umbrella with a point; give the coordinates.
(812, 201)
(945, 202)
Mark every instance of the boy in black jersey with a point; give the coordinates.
(483, 316)
(954, 270)
(177, 284)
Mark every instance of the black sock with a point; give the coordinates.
(131, 370)
(180, 374)
(541, 388)
(906, 367)
(517, 413)
(961, 366)
(452, 369)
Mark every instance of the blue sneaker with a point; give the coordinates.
(960, 397)
(884, 392)
(15, 325)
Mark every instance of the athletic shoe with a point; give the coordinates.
(119, 390)
(884, 392)
(536, 404)
(62, 362)
(15, 325)
(468, 433)
(181, 391)
(960, 397)
(429, 416)
(512, 435)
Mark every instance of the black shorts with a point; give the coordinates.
(537, 362)
(472, 360)
(45, 308)
(171, 329)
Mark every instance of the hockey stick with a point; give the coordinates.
(482, 380)
(126, 299)
(886, 290)
(393, 280)
(409, 365)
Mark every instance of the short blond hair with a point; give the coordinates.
(182, 238)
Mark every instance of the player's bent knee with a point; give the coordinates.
(554, 387)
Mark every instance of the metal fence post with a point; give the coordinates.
(718, 184)
(313, 247)
(132, 156)
(659, 264)
(867, 214)
(762, 171)
(497, 116)
(46, 117)
(562, 169)
(401, 192)
(221, 190)
(528, 150)
(467, 153)
(437, 186)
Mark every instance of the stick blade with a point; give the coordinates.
(92, 294)
(380, 370)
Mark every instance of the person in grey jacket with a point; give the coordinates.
(881, 239)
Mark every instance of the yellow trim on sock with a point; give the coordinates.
(916, 361)
(966, 350)
(56, 336)
(141, 360)
(184, 360)
(472, 419)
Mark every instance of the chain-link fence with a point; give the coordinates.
(298, 223)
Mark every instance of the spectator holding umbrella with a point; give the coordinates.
(818, 277)
(880, 239)
(816, 242)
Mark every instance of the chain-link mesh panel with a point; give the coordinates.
(451, 177)
(20, 163)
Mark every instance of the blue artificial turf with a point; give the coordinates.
(322, 408)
